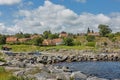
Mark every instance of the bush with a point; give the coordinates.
(2, 60)
(91, 44)
(68, 41)
(13, 78)
(77, 43)
(90, 38)
(2, 69)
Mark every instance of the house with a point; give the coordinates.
(57, 41)
(81, 34)
(94, 34)
(63, 34)
(47, 42)
(24, 39)
(35, 36)
(11, 39)
(52, 42)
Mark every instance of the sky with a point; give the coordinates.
(73, 16)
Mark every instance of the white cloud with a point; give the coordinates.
(82, 1)
(8, 30)
(9, 2)
(57, 18)
(25, 5)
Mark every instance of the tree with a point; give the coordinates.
(46, 34)
(2, 39)
(104, 30)
(19, 35)
(92, 31)
(53, 36)
(26, 35)
(88, 31)
(90, 38)
(38, 41)
(68, 41)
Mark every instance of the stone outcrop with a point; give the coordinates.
(39, 66)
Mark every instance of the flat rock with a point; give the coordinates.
(95, 78)
(78, 76)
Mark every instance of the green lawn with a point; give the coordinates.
(27, 48)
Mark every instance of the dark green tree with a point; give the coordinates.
(92, 31)
(19, 35)
(26, 35)
(104, 30)
(53, 36)
(88, 30)
(37, 41)
(46, 34)
(68, 41)
(2, 39)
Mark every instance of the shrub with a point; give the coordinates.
(13, 78)
(2, 60)
(91, 44)
(90, 38)
(68, 41)
(2, 69)
(77, 43)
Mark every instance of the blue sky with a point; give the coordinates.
(35, 16)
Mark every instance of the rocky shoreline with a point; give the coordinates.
(39, 67)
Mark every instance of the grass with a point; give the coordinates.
(4, 75)
(7, 75)
(28, 48)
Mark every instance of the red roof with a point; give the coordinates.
(52, 41)
(11, 39)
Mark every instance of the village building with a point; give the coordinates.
(35, 36)
(11, 39)
(63, 34)
(24, 39)
(58, 41)
(94, 34)
(52, 42)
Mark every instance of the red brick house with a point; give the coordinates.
(63, 34)
(58, 41)
(24, 39)
(11, 40)
(52, 42)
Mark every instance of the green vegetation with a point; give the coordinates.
(28, 48)
(68, 41)
(21, 35)
(91, 44)
(2, 69)
(2, 39)
(90, 38)
(2, 60)
(46, 34)
(104, 30)
(88, 31)
(37, 41)
(6, 75)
